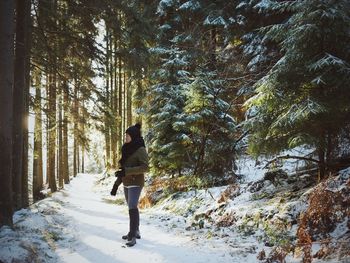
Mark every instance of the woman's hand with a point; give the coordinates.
(120, 173)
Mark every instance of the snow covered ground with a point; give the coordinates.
(80, 224)
(83, 223)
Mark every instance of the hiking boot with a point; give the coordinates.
(128, 236)
(131, 243)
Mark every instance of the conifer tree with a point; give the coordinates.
(304, 98)
(166, 97)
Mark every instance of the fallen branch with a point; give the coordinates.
(291, 157)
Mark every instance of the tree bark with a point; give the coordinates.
(65, 133)
(124, 101)
(52, 132)
(129, 105)
(107, 129)
(60, 138)
(47, 90)
(75, 130)
(120, 104)
(38, 151)
(83, 135)
(28, 44)
(18, 103)
(6, 108)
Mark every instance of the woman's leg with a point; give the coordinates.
(133, 200)
(132, 196)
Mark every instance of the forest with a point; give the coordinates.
(211, 82)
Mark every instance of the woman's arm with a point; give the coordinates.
(143, 163)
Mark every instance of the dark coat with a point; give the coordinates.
(136, 165)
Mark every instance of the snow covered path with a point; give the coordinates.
(95, 228)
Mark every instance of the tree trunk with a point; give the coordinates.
(60, 138)
(120, 104)
(82, 159)
(75, 169)
(28, 45)
(114, 103)
(52, 132)
(198, 170)
(6, 108)
(129, 105)
(75, 130)
(124, 102)
(18, 104)
(78, 157)
(47, 90)
(321, 158)
(107, 111)
(65, 133)
(38, 151)
(138, 103)
(83, 135)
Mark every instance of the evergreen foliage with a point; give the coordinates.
(304, 98)
(191, 127)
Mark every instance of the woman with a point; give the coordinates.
(134, 163)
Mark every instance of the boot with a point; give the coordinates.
(137, 218)
(128, 235)
(131, 236)
(135, 214)
(131, 243)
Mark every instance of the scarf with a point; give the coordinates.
(129, 148)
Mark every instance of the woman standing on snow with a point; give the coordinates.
(134, 163)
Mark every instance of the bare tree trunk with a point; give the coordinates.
(82, 159)
(129, 105)
(52, 132)
(60, 138)
(75, 169)
(120, 103)
(75, 131)
(38, 151)
(83, 134)
(124, 102)
(18, 105)
(107, 119)
(28, 43)
(47, 89)
(139, 103)
(65, 133)
(114, 105)
(6, 108)
(78, 156)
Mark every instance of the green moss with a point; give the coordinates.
(276, 235)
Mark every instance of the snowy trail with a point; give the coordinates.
(96, 228)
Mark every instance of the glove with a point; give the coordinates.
(120, 173)
(116, 185)
(114, 189)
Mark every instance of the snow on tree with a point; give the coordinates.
(304, 98)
